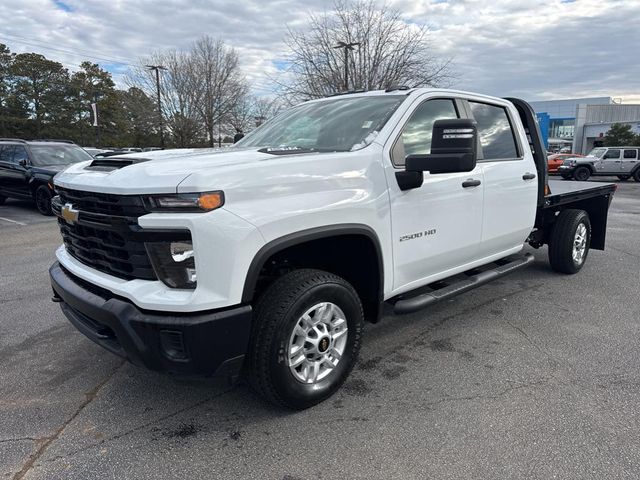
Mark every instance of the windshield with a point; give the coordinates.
(336, 125)
(597, 152)
(58, 154)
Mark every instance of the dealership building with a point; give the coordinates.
(580, 123)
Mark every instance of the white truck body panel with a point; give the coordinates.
(269, 197)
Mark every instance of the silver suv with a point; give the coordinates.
(623, 162)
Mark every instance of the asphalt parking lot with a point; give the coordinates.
(533, 376)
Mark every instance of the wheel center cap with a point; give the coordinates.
(323, 345)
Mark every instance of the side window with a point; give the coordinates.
(612, 153)
(6, 153)
(20, 153)
(416, 134)
(630, 154)
(494, 129)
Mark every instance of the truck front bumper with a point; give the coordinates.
(202, 343)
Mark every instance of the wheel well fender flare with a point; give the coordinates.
(297, 238)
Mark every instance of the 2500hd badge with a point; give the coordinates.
(413, 236)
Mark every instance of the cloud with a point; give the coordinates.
(535, 49)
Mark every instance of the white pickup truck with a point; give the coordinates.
(267, 258)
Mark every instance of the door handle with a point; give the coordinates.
(470, 183)
(528, 176)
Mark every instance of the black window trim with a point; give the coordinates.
(516, 137)
(630, 150)
(457, 105)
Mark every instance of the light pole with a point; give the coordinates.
(347, 46)
(157, 68)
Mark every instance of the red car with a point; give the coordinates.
(555, 160)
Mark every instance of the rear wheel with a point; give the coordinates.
(623, 178)
(582, 174)
(636, 175)
(306, 338)
(570, 241)
(42, 197)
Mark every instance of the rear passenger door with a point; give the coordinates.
(629, 160)
(510, 185)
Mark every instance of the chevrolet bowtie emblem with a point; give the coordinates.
(69, 213)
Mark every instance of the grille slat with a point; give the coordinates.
(105, 203)
(102, 238)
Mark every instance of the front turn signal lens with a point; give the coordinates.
(210, 201)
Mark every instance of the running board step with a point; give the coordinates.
(409, 305)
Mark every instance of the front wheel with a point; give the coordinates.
(582, 174)
(306, 338)
(42, 197)
(570, 241)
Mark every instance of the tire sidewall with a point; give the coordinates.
(283, 380)
(38, 191)
(582, 169)
(583, 220)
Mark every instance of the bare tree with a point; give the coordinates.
(221, 84)
(199, 88)
(390, 52)
(178, 93)
(250, 112)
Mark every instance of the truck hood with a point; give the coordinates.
(159, 171)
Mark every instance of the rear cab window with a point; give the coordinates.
(495, 132)
(631, 154)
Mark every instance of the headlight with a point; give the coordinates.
(184, 202)
(174, 263)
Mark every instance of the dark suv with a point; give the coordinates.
(27, 168)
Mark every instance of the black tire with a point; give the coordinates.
(565, 176)
(582, 174)
(636, 175)
(562, 239)
(277, 313)
(2, 199)
(42, 197)
(623, 178)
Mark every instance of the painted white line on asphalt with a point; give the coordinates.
(13, 221)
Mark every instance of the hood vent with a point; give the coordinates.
(110, 164)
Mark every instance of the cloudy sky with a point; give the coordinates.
(535, 49)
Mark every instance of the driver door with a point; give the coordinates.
(610, 162)
(436, 227)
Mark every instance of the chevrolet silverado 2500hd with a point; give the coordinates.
(267, 258)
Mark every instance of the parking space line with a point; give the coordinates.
(13, 221)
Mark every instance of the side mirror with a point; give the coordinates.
(453, 149)
(23, 163)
